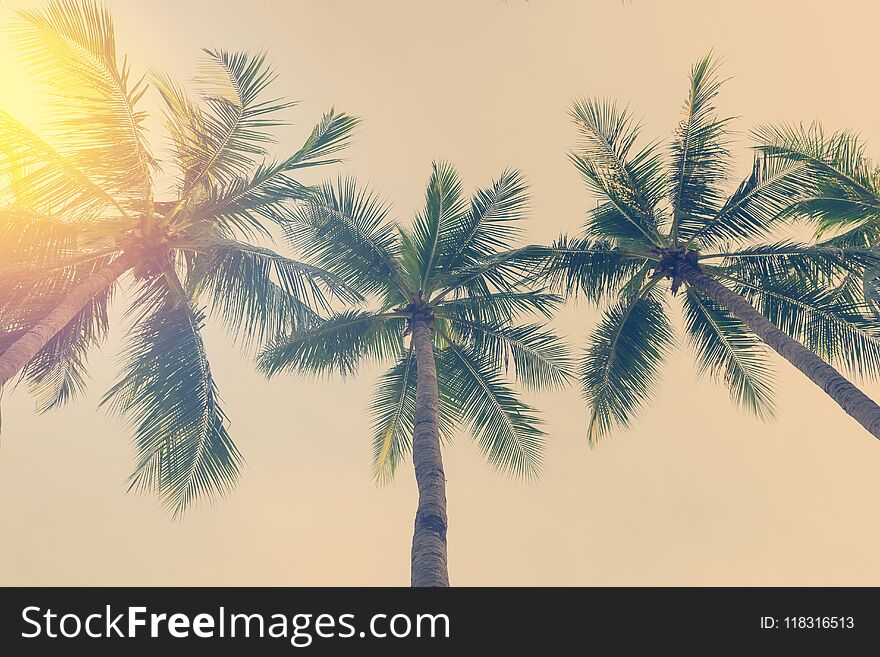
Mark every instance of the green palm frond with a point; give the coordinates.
(332, 135)
(619, 367)
(629, 185)
(336, 344)
(168, 395)
(506, 271)
(491, 224)
(71, 46)
(245, 203)
(500, 306)
(847, 182)
(59, 371)
(506, 428)
(699, 163)
(393, 409)
(435, 226)
(224, 140)
(759, 204)
(258, 293)
(838, 328)
(593, 269)
(540, 359)
(726, 349)
(343, 229)
(822, 264)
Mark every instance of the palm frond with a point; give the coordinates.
(838, 328)
(699, 163)
(258, 293)
(728, 350)
(59, 372)
(345, 230)
(71, 46)
(393, 409)
(169, 397)
(760, 203)
(629, 185)
(245, 204)
(436, 226)
(336, 344)
(594, 269)
(500, 306)
(491, 224)
(540, 358)
(620, 365)
(506, 428)
(506, 271)
(332, 135)
(224, 141)
(822, 264)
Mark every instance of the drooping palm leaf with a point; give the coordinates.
(727, 350)
(506, 429)
(621, 362)
(168, 396)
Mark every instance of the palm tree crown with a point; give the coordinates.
(82, 208)
(663, 220)
(454, 280)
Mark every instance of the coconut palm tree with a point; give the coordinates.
(663, 221)
(87, 217)
(454, 284)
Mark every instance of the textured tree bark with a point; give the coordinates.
(429, 561)
(22, 351)
(856, 403)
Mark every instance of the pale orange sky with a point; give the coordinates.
(696, 492)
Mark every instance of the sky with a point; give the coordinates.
(697, 492)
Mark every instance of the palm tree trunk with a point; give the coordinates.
(22, 351)
(429, 537)
(861, 407)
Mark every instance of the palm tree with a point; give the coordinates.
(455, 284)
(83, 220)
(663, 222)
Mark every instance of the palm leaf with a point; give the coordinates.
(699, 154)
(435, 228)
(758, 205)
(594, 269)
(344, 230)
(336, 344)
(619, 367)
(838, 328)
(258, 293)
(628, 185)
(169, 397)
(506, 429)
(540, 359)
(71, 46)
(726, 349)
